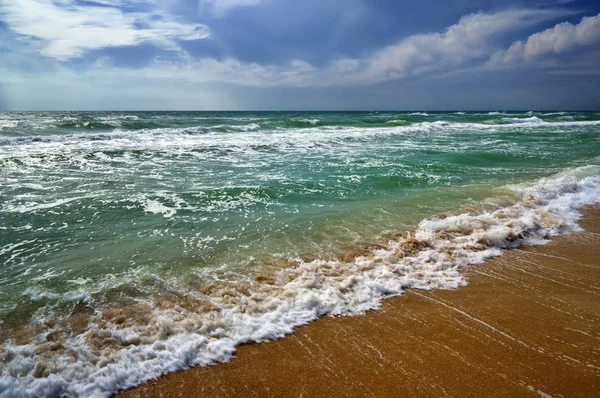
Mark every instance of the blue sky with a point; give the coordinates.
(301, 54)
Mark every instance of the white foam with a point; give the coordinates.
(241, 128)
(154, 206)
(528, 120)
(176, 338)
(33, 206)
(7, 124)
(313, 122)
(158, 202)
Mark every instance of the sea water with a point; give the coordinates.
(133, 244)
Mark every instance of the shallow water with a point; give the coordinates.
(136, 243)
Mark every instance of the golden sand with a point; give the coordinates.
(527, 324)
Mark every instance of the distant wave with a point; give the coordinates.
(553, 113)
(515, 120)
(6, 124)
(163, 137)
(312, 122)
(398, 122)
(240, 128)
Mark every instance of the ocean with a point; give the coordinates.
(133, 244)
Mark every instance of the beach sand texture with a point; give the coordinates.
(527, 324)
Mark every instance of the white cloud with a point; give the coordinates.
(470, 39)
(69, 30)
(561, 38)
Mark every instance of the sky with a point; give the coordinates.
(299, 54)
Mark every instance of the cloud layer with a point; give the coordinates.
(472, 38)
(274, 44)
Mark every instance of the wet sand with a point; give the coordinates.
(527, 324)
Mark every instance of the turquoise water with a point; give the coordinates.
(101, 210)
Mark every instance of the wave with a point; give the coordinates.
(312, 122)
(515, 120)
(530, 120)
(398, 122)
(238, 128)
(95, 353)
(8, 124)
(553, 113)
(87, 125)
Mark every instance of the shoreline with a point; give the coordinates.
(527, 324)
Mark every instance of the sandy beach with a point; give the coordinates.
(527, 324)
